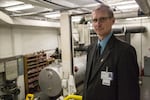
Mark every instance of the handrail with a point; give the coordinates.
(75, 97)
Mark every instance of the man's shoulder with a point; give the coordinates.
(92, 45)
(123, 44)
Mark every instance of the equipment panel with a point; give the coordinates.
(147, 66)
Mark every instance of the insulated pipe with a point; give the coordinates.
(137, 29)
(127, 29)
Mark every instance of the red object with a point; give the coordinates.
(142, 71)
(76, 68)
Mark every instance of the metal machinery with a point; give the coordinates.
(146, 66)
(50, 78)
(8, 79)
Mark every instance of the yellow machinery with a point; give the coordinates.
(30, 97)
(74, 97)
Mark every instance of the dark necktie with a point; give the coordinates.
(96, 58)
(99, 50)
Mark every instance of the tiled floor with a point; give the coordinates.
(145, 88)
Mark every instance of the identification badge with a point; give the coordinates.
(106, 77)
(106, 82)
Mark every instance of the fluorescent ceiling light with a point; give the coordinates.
(91, 5)
(53, 15)
(19, 7)
(129, 6)
(136, 18)
(64, 3)
(10, 3)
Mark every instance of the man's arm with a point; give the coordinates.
(128, 75)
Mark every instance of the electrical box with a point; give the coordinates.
(2, 70)
(11, 69)
(1, 67)
(147, 66)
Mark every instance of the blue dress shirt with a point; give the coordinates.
(103, 42)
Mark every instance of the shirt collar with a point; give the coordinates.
(103, 42)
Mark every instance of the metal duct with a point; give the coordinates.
(137, 29)
(144, 5)
(117, 30)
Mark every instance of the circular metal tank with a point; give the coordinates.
(50, 80)
(80, 64)
(50, 77)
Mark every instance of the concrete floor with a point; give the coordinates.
(145, 88)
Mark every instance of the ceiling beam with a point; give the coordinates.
(5, 18)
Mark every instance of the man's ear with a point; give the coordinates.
(113, 20)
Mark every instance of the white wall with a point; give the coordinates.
(5, 42)
(18, 40)
(141, 41)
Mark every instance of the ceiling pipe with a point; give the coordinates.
(126, 30)
(36, 3)
(99, 1)
(52, 2)
(28, 14)
(144, 5)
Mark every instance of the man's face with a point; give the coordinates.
(102, 23)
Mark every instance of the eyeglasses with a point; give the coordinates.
(101, 19)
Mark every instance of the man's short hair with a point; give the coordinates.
(106, 8)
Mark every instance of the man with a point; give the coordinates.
(112, 74)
